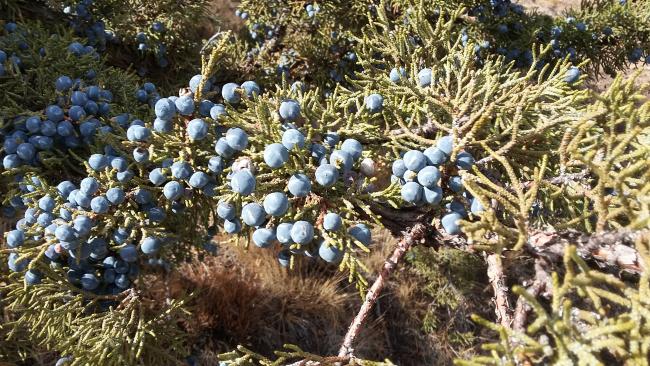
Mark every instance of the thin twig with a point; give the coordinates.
(540, 284)
(415, 234)
(497, 278)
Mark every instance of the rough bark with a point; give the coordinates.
(410, 238)
(612, 250)
(497, 278)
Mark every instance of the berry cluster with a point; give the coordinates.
(426, 177)
(70, 123)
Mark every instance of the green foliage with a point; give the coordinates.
(453, 280)
(593, 318)
(129, 331)
(550, 154)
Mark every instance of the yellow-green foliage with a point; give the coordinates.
(132, 331)
(593, 318)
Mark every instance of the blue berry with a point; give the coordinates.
(326, 175)
(284, 257)
(164, 109)
(435, 156)
(138, 133)
(253, 214)
(129, 253)
(15, 238)
(76, 113)
(97, 162)
(63, 83)
(79, 98)
(216, 164)
(299, 185)
(456, 183)
(293, 138)
(250, 88)
(184, 105)
(33, 124)
(226, 210)
(204, 108)
(572, 75)
(264, 237)
(197, 129)
(140, 155)
(65, 128)
(445, 144)
(65, 233)
(331, 139)
(237, 138)
(162, 126)
(150, 245)
(411, 192)
(396, 75)
(332, 221)
(476, 207)
(181, 170)
(230, 93)
(414, 160)
(289, 110)
(82, 224)
(26, 151)
(223, 148)
(243, 182)
(89, 282)
(232, 226)
(329, 253)
(157, 177)
(302, 232)
(217, 111)
(199, 180)
(342, 160)
(141, 95)
(124, 176)
(33, 277)
(399, 168)
(173, 190)
(11, 161)
(17, 266)
(353, 147)
(464, 160)
(149, 87)
(457, 207)
(424, 77)
(115, 195)
(195, 81)
(89, 185)
(432, 196)
(276, 204)
(156, 214)
(46, 203)
(450, 222)
(283, 233)
(276, 155)
(99, 204)
(361, 233)
(120, 164)
(374, 103)
(429, 176)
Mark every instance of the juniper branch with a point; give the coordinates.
(498, 281)
(410, 238)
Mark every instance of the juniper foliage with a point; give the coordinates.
(326, 98)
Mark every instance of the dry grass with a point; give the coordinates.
(245, 297)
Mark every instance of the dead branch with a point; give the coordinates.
(497, 279)
(411, 237)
